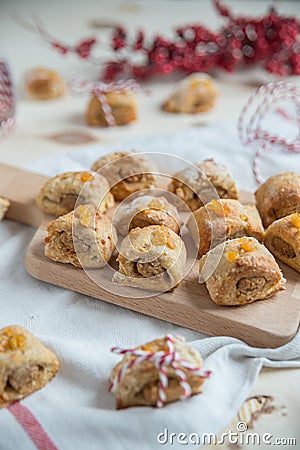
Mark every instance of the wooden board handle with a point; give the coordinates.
(21, 187)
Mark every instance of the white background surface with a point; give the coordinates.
(69, 21)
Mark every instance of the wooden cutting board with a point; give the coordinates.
(267, 323)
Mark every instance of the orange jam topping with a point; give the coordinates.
(246, 245)
(83, 214)
(10, 341)
(232, 256)
(295, 219)
(244, 217)
(159, 237)
(217, 207)
(86, 176)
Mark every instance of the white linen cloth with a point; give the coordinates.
(75, 409)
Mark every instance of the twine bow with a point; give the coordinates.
(162, 360)
(250, 122)
(99, 89)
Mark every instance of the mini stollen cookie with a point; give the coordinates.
(246, 272)
(195, 93)
(156, 373)
(200, 184)
(221, 220)
(283, 240)
(44, 84)
(60, 193)
(151, 258)
(26, 365)
(4, 205)
(144, 211)
(278, 197)
(83, 238)
(126, 172)
(123, 108)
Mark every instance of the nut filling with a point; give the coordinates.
(150, 269)
(283, 247)
(251, 284)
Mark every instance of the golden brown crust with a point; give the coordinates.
(195, 93)
(61, 193)
(44, 84)
(26, 365)
(283, 240)
(144, 211)
(246, 272)
(221, 220)
(151, 258)
(4, 205)
(278, 197)
(123, 108)
(198, 187)
(139, 385)
(83, 238)
(126, 172)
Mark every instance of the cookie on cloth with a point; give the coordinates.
(194, 94)
(44, 84)
(26, 365)
(158, 372)
(123, 109)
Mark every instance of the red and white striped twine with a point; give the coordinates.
(162, 360)
(250, 130)
(7, 105)
(98, 88)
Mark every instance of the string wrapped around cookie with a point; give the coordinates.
(159, 372)
(111, 104)
(251, 119)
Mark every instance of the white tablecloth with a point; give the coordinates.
(75, 409)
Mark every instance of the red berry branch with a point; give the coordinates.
(272, 41)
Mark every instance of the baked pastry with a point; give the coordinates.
(283, 240)
(151, 258)
(221, 220)
(144, 211)
(123, 108)
(199, 184)
(83, 238)
(126, 172)
(26, 365)
(195, 93)
(278, 197)
(4, 205)
(245, 272)
(60, 194)
(44, 84)
(137, 381)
